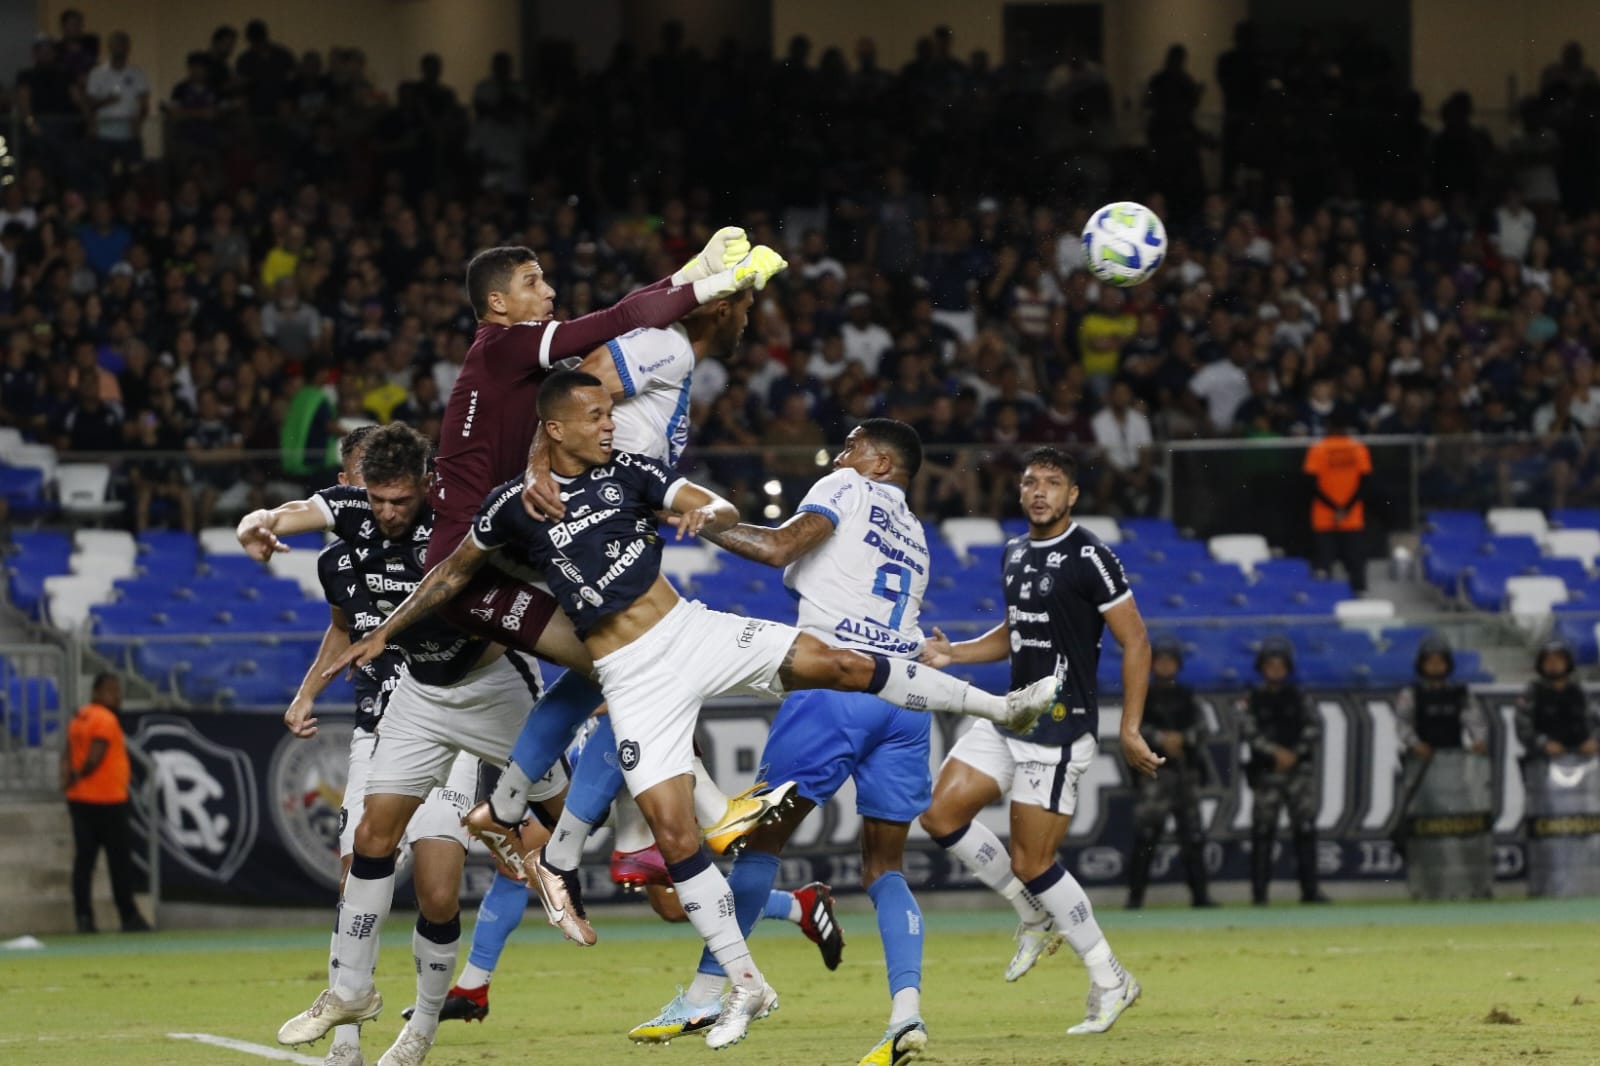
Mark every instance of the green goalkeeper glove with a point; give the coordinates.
(751, 272)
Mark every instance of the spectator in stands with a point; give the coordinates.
(90, 424)
(292, 325)
(264, 71)
(499, 136)
(1123, 439)
(48, 109)
(1101, 335)
(865, 339)
(118, 101)
(1339, 465)
(94, 776)
(215, 448)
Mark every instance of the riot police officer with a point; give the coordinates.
(1435, 713)
(1172, 726)
(1554, 718)
(1281, 731)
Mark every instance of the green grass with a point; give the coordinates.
(1367, 984)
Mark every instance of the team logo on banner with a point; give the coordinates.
(306, 784)
(207, 797)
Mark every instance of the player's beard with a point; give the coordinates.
(1054, 518)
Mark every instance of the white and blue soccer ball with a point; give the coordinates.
(1124, 243)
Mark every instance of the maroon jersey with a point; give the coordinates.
(492, 414)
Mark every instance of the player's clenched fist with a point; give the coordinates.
(723, 251)
(751, 272)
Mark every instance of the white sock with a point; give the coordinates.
(907, 1005)
(435, 963)
(475, 976)
(983, 853)
(361, 917)
(795, 913)
(565, 849)
(705, 987)
(708, 901)
(343, 1035)
(509, 802)
(922, 688)
(1067, 903)
(633, 832)
(710, 802)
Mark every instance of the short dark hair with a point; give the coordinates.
(899, 438)
(558, 387)
(1053, 457)
(354, 441)
(102, 678)
(394, 453)
(490, 271)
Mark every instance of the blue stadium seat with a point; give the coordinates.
(27, 701)
(1485, 580)
(240, 567)
(127, 619)
(1147, 531)
(22, 488)
(1572, 571)
(1521, 547)
(1578, 632)
(991, 677)
(160, 660)
(1287, 568)
(42, 543)
(1575, 518)
(1014, 527)
(1460, 522)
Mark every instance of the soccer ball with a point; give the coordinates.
(1124, 243)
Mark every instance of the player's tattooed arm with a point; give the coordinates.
(541, 496)
(775, 547)
(441, 586)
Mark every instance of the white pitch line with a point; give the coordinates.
(259, 1050)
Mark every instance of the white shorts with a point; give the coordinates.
(438, 817)
(655, 685)
(426, 725)
(1038, 775)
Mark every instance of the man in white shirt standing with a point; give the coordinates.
(1223, 385)
(1123, 435)
(119, 101)
(865, 340)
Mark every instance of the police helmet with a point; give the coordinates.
(1555, 647)
(1435, 645)
(1167, 645)
(1275, 648)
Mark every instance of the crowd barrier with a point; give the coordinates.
(249, 814)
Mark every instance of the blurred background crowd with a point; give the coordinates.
(291, 267)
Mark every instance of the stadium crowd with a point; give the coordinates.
(291, 266)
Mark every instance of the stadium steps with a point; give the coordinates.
(36, 874)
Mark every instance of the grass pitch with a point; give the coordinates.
(1512, 982)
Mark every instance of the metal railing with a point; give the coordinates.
(146, 801)
(38, 696)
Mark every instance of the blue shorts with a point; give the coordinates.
(820, 738)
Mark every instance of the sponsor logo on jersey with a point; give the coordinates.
(1026, 592)
(514, 613)
(1016, 556)
(362, 553)
(625, 560)
(896, 554)
(472, 413)
(628, 754)
(441, 654)
(611, 493)
(568, 569)
(1088, 552)
(591, 597)
(365, 621)
(1041, 617)
(651, 368)
(1053, 560)
(562, 533)
(395, 566)
(344, 561)
(1045, 585)
(367, 530)
(483, 614)
(340, 503)
(751, 628)
(384, 583)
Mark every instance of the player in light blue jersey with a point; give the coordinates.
(858, 560)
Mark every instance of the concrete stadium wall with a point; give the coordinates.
(1493, 49)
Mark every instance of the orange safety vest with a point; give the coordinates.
(109, 781)
(1338, 463)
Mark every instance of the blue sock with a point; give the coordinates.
(900, 926)
(597, 778)
(751, 880)
(553, 723)
(778, 905)
(498, 915)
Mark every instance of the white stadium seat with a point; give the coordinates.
(964, 533)
(1529, 600)
(683, 563)
(83, 489)
(39, 456)
(1529, 520)
(1580, 544)
(302, 566)
(220, 540)
(10, 441)
(114, 543)
(1363, 610)
(70, 596)
(101, 565)
(1244, 550)
(1103, 526)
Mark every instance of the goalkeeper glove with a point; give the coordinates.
(723, 251)
(753, 271)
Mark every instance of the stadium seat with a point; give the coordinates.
(1150, 530)
(10, 440)
(1103, 526)
(1462, 523)
(964, 534)
(301, 566)
(1366, 614)
(1528, 520)
(220, 540)
(1484, 581)
(1529, 599)
(683, 565)
(40, 457)
(22, 488)
(68, 598)
(1575, 518)
(1289, 568)
(105, 543)
(1244, 550)
(1572, 571)
(84, 490)
(1580, 544)
(27, 703)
